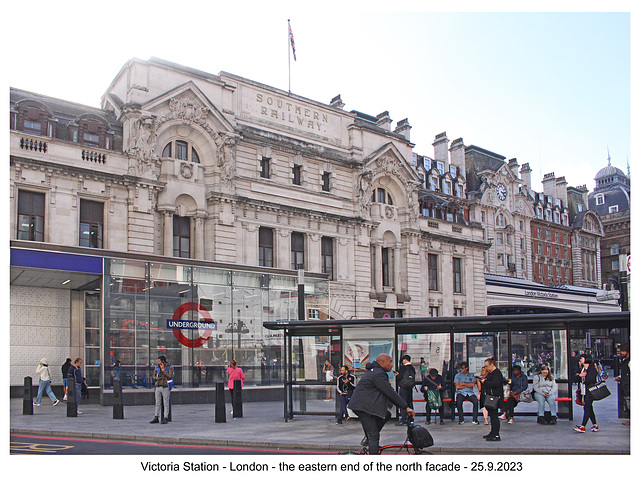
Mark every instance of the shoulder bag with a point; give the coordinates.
(491, 401)
(599, 390)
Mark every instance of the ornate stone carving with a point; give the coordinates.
(186, 170)
(144, 144)
(189, 112)
(364, 190)
(227, 159)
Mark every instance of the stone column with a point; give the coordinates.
(198, 234)
(396, 269)
(377, 268)
(168, 234)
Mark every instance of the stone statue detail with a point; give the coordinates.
(364, 190)
(144, 144)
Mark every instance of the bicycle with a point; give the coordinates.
(418, 438)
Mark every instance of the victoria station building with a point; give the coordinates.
(210, 217)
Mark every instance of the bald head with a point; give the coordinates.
(385, 361)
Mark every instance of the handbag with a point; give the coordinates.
(525, 396)
(433, 399)
(579, 397)
(491, 401)
(599, 391)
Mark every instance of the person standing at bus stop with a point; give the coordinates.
(162, 373)
(625, 379)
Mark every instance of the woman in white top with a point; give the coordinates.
(545, 390)
(45, 383)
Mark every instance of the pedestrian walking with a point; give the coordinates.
(162, 374)
(346, 384)
(45, 383)
(588, 376)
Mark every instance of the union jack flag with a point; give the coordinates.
(293, 44)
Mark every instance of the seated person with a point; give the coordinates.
(434, 382)
(518, 383)
(465, 382)
(545, 390)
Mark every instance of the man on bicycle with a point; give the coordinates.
(371, 400)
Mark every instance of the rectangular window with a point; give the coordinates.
(432, 260)
(327, 256)
(483, 216)
(265, 247)
(182, 150)
(386, 268)
(434, 311)
(265, 167)
(30, 216)
(458, 312)
(91, 223)
(447, 188)
(326, 176)
(313, 314)
(499, 238)
(297, 174)
(500, 260)
(297, 251)
(613, 209)
(440, 167)
(32, 127)
(91, 139)
(457, 275)
(181, 236)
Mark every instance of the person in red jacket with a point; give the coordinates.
(235, 373)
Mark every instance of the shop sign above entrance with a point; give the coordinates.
(206, 324)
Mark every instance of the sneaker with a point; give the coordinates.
(441, 422)
(495, 438)
(155, 420)
(595, 428)
(510, 422)
(164, 421)
(56, 402)
(401, 424)
(503, 416)
(428, 422)
(36, 404)
(64, 398)
(364, 442)
(339, 422)
(475, 422)
(627, 424)
(460, 422)
(79, 412)
(579, 428)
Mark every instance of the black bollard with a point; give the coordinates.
(236, 398)
(27, 398)
(72, 407)
(221, 414)
(118, 407)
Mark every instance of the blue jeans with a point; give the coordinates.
(45, 386)
(541, 399)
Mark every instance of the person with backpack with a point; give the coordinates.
(371, 399)
(162, 374)
(432, 388)
(65, 371)
(406, 382)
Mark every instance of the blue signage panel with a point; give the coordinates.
(68, 262)
(190, 324)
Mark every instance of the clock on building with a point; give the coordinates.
(501, 190)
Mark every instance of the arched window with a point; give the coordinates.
(615, 249)
(500, 220)
(380, 195)
(181, 150)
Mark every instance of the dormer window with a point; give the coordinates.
(452, 170)
(447, 188)
(32, 127)
(427, 164)
(600, 199)
(440, 167)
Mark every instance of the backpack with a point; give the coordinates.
(408, 377)
(420, 437)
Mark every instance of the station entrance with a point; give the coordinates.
(314, 347)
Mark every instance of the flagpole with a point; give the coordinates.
(289, 50)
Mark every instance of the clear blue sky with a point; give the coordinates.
(551, 89)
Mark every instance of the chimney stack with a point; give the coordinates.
(513, 166)
(549, 184)
(336, 102)
(441, 147)
(384, 120)
(457, 156)
(525, 175)
(403, 128)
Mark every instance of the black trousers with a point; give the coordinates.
(372, 426)
(589, 413)
(510, 405)
(495, 421)
(407, 396)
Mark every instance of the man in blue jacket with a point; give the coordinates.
(371, 400)
(74, 374)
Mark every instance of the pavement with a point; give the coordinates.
(263, 425)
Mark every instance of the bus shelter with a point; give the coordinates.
(313, 347)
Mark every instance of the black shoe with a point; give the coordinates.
(441, 422)
(164, 421)
(488, 435)
(364, 442)
(553, 421)
(339, 422)
(495, 438)
(401, 424)
(155, 420)
(428, 422)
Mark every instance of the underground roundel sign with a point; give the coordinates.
(204, 324)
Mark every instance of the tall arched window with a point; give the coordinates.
(380, 195)
(181, 150)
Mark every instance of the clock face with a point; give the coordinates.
(501, 190)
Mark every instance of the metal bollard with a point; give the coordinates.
(27, 397)
(118, 407)
(72, 407)
(221, 414)
(236, 398)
